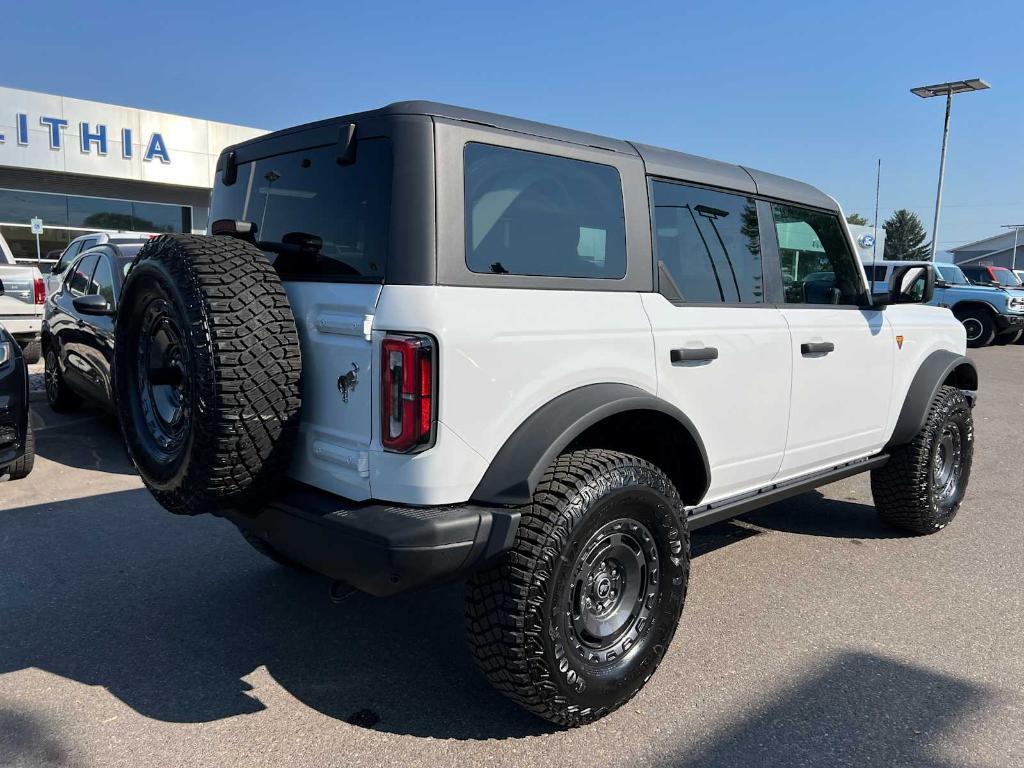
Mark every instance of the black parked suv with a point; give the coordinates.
(17, 443)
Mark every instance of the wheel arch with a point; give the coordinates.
(614, 416)
(969, 304)
(940, 368)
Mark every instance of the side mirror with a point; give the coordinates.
(940, 283)
(92, 305)
(912, 284)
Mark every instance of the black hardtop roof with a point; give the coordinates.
(658, 162)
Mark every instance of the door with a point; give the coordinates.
(842, 350)
(97, 338)
(69, 328)
(723, 354)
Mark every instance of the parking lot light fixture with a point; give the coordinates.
(948, 90)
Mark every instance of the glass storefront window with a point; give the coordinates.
(157, 217)
(51, 242)
(18, 207)
(85, 214)
(98, 213)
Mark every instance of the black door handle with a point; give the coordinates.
(817, 348)
(689, 354)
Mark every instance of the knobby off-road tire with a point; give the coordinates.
(922, 485)
(207, 368)
(604, 539)
(22, 468)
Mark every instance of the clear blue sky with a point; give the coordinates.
(813, 90)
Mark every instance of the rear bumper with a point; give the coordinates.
(380, 548)
(23, 326)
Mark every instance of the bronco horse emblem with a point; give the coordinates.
(347, 382)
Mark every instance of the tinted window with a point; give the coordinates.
(817, 266)
(875, 273)
(157, 217)
(977, 275)
(67, 257)
(534, 214)
(1003, 276)
(951, 274)
(103, 281)
(97, 213)
(316, 218)
(707, 243)
(78, 282)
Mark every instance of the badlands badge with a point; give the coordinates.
(899, 342)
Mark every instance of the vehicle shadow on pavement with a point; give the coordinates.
(170, 614)
(812, 514)
(86, 439)
(27, 741)
(854, 709)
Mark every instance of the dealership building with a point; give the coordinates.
(82, 166)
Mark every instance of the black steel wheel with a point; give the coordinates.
(576, 617)
(979, 325)
(58, 395)
(921, 487)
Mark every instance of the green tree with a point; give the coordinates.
(856, 218)
(905, 237)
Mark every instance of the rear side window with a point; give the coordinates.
(67, 257)
(103, 281)
(817, 265)
(534, 214)
(707, 244)
(78, 282)
(315, 218)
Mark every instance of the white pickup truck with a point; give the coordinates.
(21, 304)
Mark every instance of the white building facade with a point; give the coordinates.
(83, 166)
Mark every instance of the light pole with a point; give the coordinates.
(947, 90)
(1016, 231)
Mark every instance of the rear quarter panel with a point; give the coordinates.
(503, 353)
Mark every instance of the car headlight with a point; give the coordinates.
(6, 352)
(1016, 304)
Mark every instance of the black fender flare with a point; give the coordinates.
(936, 369)
(517, 468)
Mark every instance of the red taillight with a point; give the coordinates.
(40, 290)
(407, 393)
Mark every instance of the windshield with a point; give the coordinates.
(316, 219)
(1003, 276)
(951, 274)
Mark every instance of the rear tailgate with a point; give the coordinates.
(319, 208)
(18, 299)
(334, 322)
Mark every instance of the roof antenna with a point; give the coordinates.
(874, 240)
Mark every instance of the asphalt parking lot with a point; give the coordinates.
(812, 636)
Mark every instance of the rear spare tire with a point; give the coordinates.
(207, 368)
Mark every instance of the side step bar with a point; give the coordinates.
(716, 512)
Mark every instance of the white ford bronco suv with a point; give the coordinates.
(426, 343)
